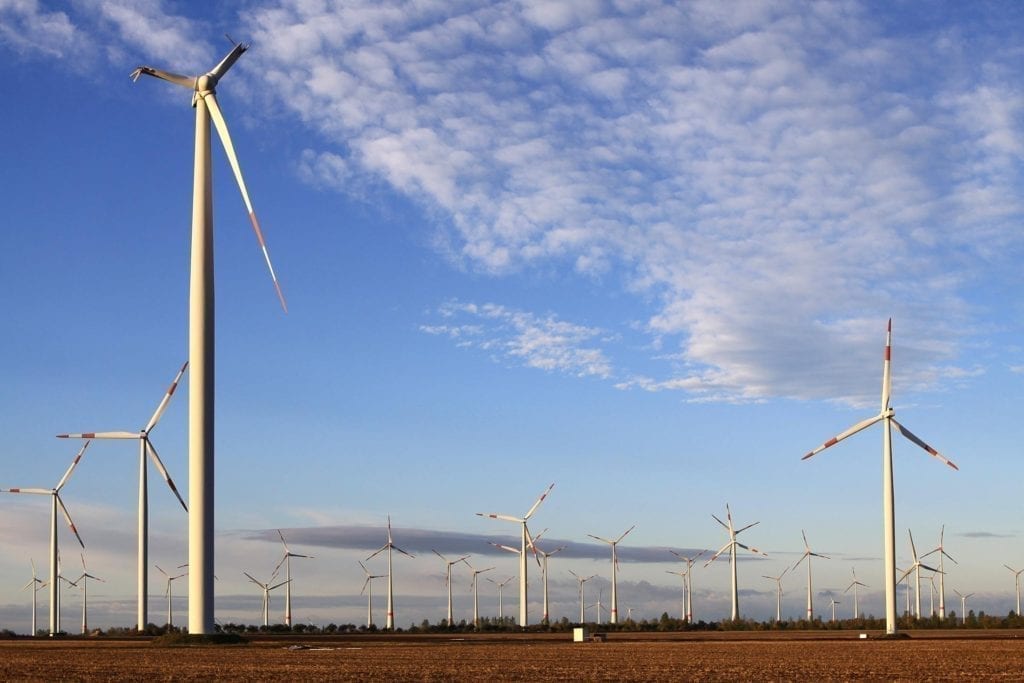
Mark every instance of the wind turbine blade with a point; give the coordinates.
(529, 543)
(158, 413)
(71, 468)
(308, 557)
(624, 533)
(886, 370)
(67, 518)
(258, 583)
(163, 473)
(443, 558)
(603, 540)
(377, 552)
(225, 138)
(539, 501)
(751, 549)
(229, 59)
(863, 424)
(278, 567)
(824, 557)
(913, 550)
(802, 558)
(101, 435)
(931, 569)
(507, 547)
(42, 492)
(720, 551)
(807, 545)
(285, 544)
(184, 81)
(401, 551)
(931, 451)
(905, 574)
(745, 528)
(721, 522)
(507, 518)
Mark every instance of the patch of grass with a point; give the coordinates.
(179, 639)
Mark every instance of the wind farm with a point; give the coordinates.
(518, 249)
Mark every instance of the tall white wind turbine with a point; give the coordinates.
(266, 588)
(368, 589)
(526, 543)
(682, 575)
(286, 560)
(963, 605)
(855, 585)
(500, 585)
(201, 329)
(731, 546)
(808, 554)
(915, 568)
(36, 584)
(476, 593)
(448, 579)
(145, 448)
(887, 417)
(688, 582)
(83, 580)
(168, 594)
(389, 546)
(833, 602)
(546, 618)
(778, 593)
(613, 615)
(941, 550)
(55, 503)
(1016, 580)
(582, 580)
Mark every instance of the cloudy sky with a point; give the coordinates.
(644, 250)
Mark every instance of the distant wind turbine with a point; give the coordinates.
(145, 448)
(526, 542)
(36, 584)
(916, 567)
(731, 546)
(168, 594)
(778, 593)
(500, 585)
(963, 605)
(614, 613)
(833, 602)
(368, 589)
(84, 581)
(682, 575)
(855, 585)
(887, 417)
(266, 588)
(448, 579)
(941, 550)
(546, 618)
(582, 580)
(807, 556)
(389, 546)
(688, 582)
(55, 503)
(286, 560)
(201, 328)
(1016, 580)
(476, 594)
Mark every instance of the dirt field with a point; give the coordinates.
(622, 658)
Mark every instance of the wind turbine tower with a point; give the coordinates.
(201, 330)
(448, 579)
(526, 543)
(368, 589)
(887, 417)
(613, 615)
(778, 593)
(36, 584)
(807, 556)
(476, 593)
(731, 546)
(941, 550)
(688, 582)
(389, 623)
(286, 560)
(582, 580)
(855, 585)
(1016, 580)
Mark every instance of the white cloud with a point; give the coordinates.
(546, 343)
(29, 29)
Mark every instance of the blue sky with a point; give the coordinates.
(643, 251)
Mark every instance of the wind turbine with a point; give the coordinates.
(614, 613)
(368, 589)
(778, 593)
(688, 582)
(544, 575)
(500, 585)
(476, 595)
(942, 571)
(808, 555)
(1016, 580)
(55, 503)
(582, 580)
(855, 585)
(731, 545)
(963, 605)
(201, 328)
(84, 580)
(286, 560)
(448, 579)
(887, 417)
(145, 447)
(834, 602)
(598, 606)
(266, 593)
(390, 623)
(36, 584)
(167, 592)
(526, 542)
(916, 568)
(681, 574)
